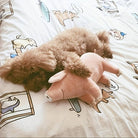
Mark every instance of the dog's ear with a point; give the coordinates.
(57, 77)
(103, 37)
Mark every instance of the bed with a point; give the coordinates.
(33, 22)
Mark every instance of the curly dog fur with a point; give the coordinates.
(34, 67)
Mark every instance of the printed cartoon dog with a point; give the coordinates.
(20, 43)
(62, 16)
(34, 67)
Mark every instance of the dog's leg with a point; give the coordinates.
(71, 62)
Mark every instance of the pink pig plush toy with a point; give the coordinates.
(66, 85)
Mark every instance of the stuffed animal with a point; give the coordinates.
(34, 67)
(66, 85)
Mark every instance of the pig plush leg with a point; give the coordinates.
(89, 99)
(93, 95)
(94, 90)
(104, 80)
(110, 68)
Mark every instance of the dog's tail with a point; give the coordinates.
(104, 38)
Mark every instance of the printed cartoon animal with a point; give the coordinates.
(6, 10)
(34, 67)
(10, 105)
(20, 43)
(134, 65)
(1, 13)
(62, 16)
(107, 6)
(66, 85)
(105, 95)
(117, 34)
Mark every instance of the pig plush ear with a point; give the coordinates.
(57, 77)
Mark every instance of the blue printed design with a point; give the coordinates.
(44, 10)
(136, 16)
(118, 35)
(75, 105)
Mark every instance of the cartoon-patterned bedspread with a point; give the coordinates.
(27, 24)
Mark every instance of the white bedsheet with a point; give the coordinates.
(30, 115)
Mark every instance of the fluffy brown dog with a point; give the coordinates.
(36, 66)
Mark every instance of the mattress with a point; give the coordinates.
(34, 22)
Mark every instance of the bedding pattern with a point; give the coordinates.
(28, 24)
(19, 44)
(12, 106)
(6, 9)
